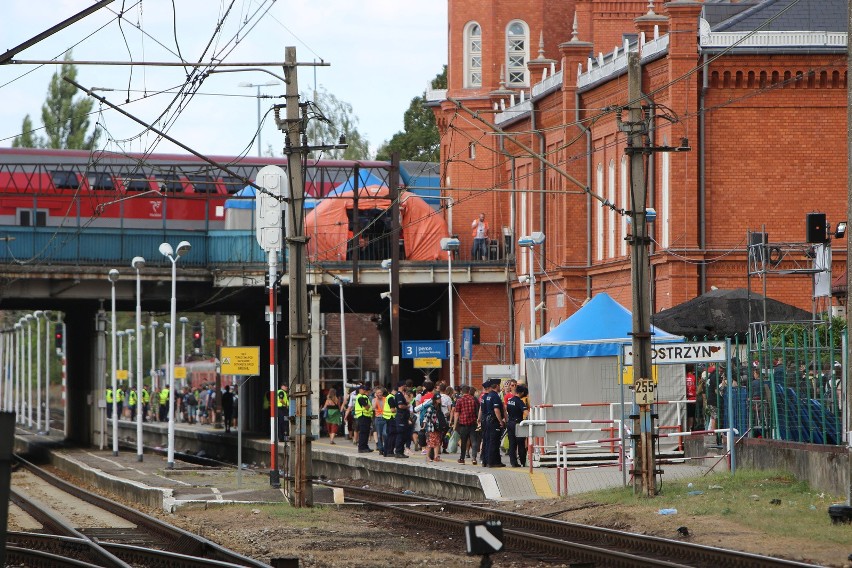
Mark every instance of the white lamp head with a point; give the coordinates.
(450, 244)
(38, 313)
(120, 333)
(28, 317)
(17, 325)
(183, 319)
(167, 325)
(128, 332)
(386, 263)
(166, 250)
(137, 262)
(113, 275)
(154, 324)
(183, 248)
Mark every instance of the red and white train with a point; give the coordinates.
(73, 188)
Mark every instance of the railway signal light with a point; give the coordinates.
(196, 337)
(57, 338)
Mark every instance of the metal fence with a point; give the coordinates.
(788, 383)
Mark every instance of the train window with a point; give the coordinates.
(139, 183)
(25, 218)
(100, 181)
(170, 183)
(202, 184)
(232, 184)
(64, 179)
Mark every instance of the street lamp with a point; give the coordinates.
(18, 366)
(27, 319)
(120, 335)
(113, 278)
(451, 245)
(137, 264)
(258, 85)
(38, 314)
(47, 334)
(155, 384)
(387, 265)
(530, 242)
(173, 255)
(129, 334)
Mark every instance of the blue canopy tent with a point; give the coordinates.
(578, 362)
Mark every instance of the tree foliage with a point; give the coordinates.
(329, 118)
(419, 141)
(66, 120)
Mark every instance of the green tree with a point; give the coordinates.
(419, 141)
(329, 118)
(28, 138)
(66, 120)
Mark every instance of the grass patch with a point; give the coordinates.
(291, 517)
(772, 501)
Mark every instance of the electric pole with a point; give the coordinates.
(298, 480)
(643, 385)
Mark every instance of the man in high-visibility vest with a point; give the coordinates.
(389, 414)
(146, 400)
(282, 404)
(119, 402)
(132, 401)
(109, 400)
(363, 417)
(164, 404)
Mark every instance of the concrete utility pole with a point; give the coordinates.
(298, 481)
(393, 194)
(848, 270)
(636, 127)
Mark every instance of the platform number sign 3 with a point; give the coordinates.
(645, 391)
(483, 537)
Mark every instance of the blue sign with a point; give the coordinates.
(420, 349)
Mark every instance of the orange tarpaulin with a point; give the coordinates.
(329, 231)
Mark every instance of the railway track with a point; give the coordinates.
(125, 538)
(560, 540)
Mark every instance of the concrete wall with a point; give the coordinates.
(825, 468)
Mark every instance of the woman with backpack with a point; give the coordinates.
(434, 424)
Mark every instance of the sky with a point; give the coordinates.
(380, 55)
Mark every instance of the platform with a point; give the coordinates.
(187, 484)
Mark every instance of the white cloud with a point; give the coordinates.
(381, 53)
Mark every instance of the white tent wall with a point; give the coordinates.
(597, 380)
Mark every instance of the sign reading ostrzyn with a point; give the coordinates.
(240, 361)
(681, 353)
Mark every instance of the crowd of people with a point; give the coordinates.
(434, 419)
(195, 405)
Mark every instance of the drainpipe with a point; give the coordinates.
(509, 295)
(702, 212)
(588, 132)
(542, 206)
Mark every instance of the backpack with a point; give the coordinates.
(190, 400)
(441, 421)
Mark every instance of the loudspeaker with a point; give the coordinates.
(816, 229)
(757, 246)
(475, 333)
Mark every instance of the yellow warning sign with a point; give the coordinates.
(180, 372)
(627, 375)
(121, 374)
(427, 363)
(241, 361)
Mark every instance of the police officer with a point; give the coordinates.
(403, 423)
(363, 418)
(282, 403)
(164, 404)
(119, 402)
(493, 423)
(146, 401)
(515, 409)
(389, 414)
(109, 400)
(132, 401)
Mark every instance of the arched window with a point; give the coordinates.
(473, 55)
(517, 53)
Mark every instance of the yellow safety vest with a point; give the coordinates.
(119, 395)
(146, 398)
(109, 396)
(132, 398)
(164, 396)
(387, 411)
(282, 399)
(363, 410)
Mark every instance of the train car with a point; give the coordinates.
(74, 188)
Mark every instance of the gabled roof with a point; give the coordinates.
(777, 16)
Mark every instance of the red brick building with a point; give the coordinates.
(529, 137)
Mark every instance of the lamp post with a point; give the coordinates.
(451, 245)
(138, 263)
(258, 86)
(154, 382)
(183, 321)
(173, 255)
(529, 242)
(47, 334)
(113, 278)
(131, 377)
(387, 264)
(120, 335)
(16, 395)
(28, 319)
(37, 315)
(341, 280)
